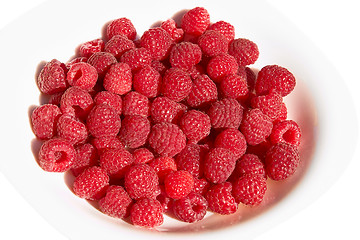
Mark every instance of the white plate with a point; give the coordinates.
(53, 30)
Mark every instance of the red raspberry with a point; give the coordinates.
(190, 209)
(75, 60)
(281, 161)
(274, 77)
(220, 66)
(245, 51)
(233, 140)
(226, 113)
(134, 131)
(136, 58)
(185, 55)
(178, 184)
(167, 139)
(103, 121)
(255, 126)
(121, 26)
(44, 119)
(147, 81)
(52, 77)
(201, 186)
(103, 144)
(286, 131)
(102, 61)
(219, 164)
(250, 78)
(141, 181)
(195, 21)
(116, 202)
(270, 104)
(71, 129)
(160, 66)
(118, 79)
(82, 75)
(170, 27)
(225, 29)
(86, 156)
(147, 213)
(203, 92)
(249, 164)
(234, 86)
(142, 155)
(56, 155)
(163, 166)
(196, 70)
(135, 103)
(283, 113)
(164, 110)
(77, 102)
(213, 43)
(190, 159)
(196, 125)
(116, 162)
(220, 199)
(109, 98)
(89, 48)
(118, 45)
(91, 184)
(249, 189)
(176, 84)
(157, 41)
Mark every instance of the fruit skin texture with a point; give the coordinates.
(135, 103)
(219, 164)
(103, 121)
(116, 162)
(233, 140)
(249, 189)
(164, 109)
(157, 41)
(86, 156)
(191, 208)
(226, 113)
(176, 84)
(213, 43)
(77, 102)
(102, 61)
(71, 129)
(220, 66)
(286, 131)
(82, 75)
(118, 45)
(147, 213)
(88, 48)
(109, 98)
(220, 199)
(52, 77)
(147, 81)
(195, 21)
(43, 121)
(116, 202)
(185, 55)
(196, 125)
(245, 51)
(163, 166)
(178, 184)
(121, 26)
(225, 29)
(250, 164)
(134, 131)
(270, 104)
(190, 158)
(203, 92)
(118, 79)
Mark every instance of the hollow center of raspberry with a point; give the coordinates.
(289, 136)
(196, 208)
(60, 157)
(78, 75)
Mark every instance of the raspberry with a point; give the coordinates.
(170, 27)
(109, 98)
(143, 155)
(225, 28)
(286, 131)
(226, 113)
(135, 103)
(56, 155)
(157, 41)
(196, 71)
(103, 144)
(233, 140)
(185, 55)
(163, 166)
(52, 77)
(234, 86)
(281, 161)
(103, 121)
(250, 78)
(176, 84)
(75, 60)
(71, 129)
(201, 186)
(164, 110)
(44, 119)
(255, 126)
(178, 184)
(219, 164)
(270, 104)
(195, 21)
(102, 61)
(86, 156)
(249, 164)
(274, 77)
(82, 75)
(167, 139)
(245, 51)
(213, 43)
(160, 66)
(220, 66)
(196, 125)
(136, 58)
(147, 213)
(118, 45)
(147, 81)
(134, 131)
(77, 102)
(91, 184)
(283, 113)
(190, 158)
(191, 208)
(121, 26)
(220, 199)
(203, 92)
(116, 202)
(118, 79)
(89, 48)
(116, 162)
(141, 181)
(249, 189)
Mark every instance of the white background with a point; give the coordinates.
(333, 26)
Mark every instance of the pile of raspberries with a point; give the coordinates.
(170, 122)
